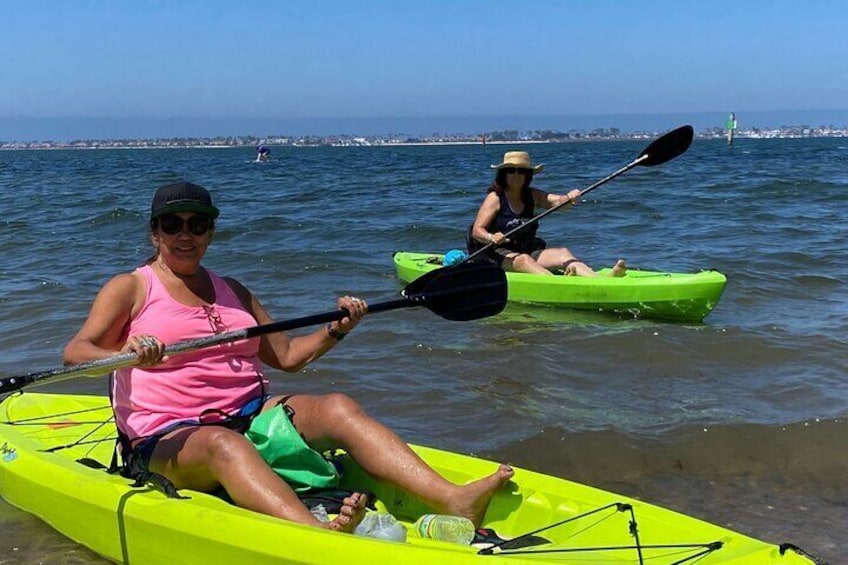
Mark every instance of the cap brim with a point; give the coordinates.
(195, 207)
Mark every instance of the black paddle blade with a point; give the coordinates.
(467, 291)
(668, 147)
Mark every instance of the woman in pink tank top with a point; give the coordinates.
(184, 417)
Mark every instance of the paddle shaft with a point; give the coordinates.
(458, 293)
(109, 364)
(538, 217)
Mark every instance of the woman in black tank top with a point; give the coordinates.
(510, 203)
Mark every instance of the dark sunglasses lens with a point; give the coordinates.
(199, 225)
(170, 224)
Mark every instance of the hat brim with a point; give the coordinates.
(195, 207)
(536, 169)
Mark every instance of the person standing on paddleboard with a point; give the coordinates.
(510, 203)
(205, 419)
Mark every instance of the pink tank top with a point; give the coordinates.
(220, 378)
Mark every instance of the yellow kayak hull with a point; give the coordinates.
(54, 449)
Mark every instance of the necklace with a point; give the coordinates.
(198, 283)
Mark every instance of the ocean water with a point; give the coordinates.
(739, 420)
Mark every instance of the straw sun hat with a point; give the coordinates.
(518, 159)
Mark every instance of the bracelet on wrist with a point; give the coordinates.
(334, 333)
(489, 238)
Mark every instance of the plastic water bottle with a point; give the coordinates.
(381, 525)
(320, 513)
(445, 528)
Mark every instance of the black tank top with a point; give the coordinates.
(523, 241)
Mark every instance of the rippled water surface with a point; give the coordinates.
(739, 420)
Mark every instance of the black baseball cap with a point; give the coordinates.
(182, 197)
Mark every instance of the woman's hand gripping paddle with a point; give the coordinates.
(663, 149)
(459, 293)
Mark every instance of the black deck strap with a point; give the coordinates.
(485, 538)
(135, 468)
(786, 546)
(91, 463)
(160, 483)
(141, 476)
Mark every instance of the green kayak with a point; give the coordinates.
(644, 294)
(54, 449)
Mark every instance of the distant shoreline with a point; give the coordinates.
(250, 142)
(67, 129)
(38, 146)
(489, 138)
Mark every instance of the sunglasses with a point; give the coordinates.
(513, 170)
(172, 224)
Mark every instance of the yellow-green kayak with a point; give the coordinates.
(53, 448)
(644, 294)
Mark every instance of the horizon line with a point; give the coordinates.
(415, 117)
(66, 128)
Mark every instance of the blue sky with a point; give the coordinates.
(328, 58)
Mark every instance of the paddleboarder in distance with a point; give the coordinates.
(262, 153)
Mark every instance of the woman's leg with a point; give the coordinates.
(561, 257)
(336, 420)
(203, 457)
(523, 263)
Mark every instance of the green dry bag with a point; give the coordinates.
(279, 444)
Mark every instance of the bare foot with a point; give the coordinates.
(350, 515)
(472, 499)
(619, 269)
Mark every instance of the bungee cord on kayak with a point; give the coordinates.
(503, 548)
(62, 422)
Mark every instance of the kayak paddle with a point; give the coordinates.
(663, 149)
(459, 293)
